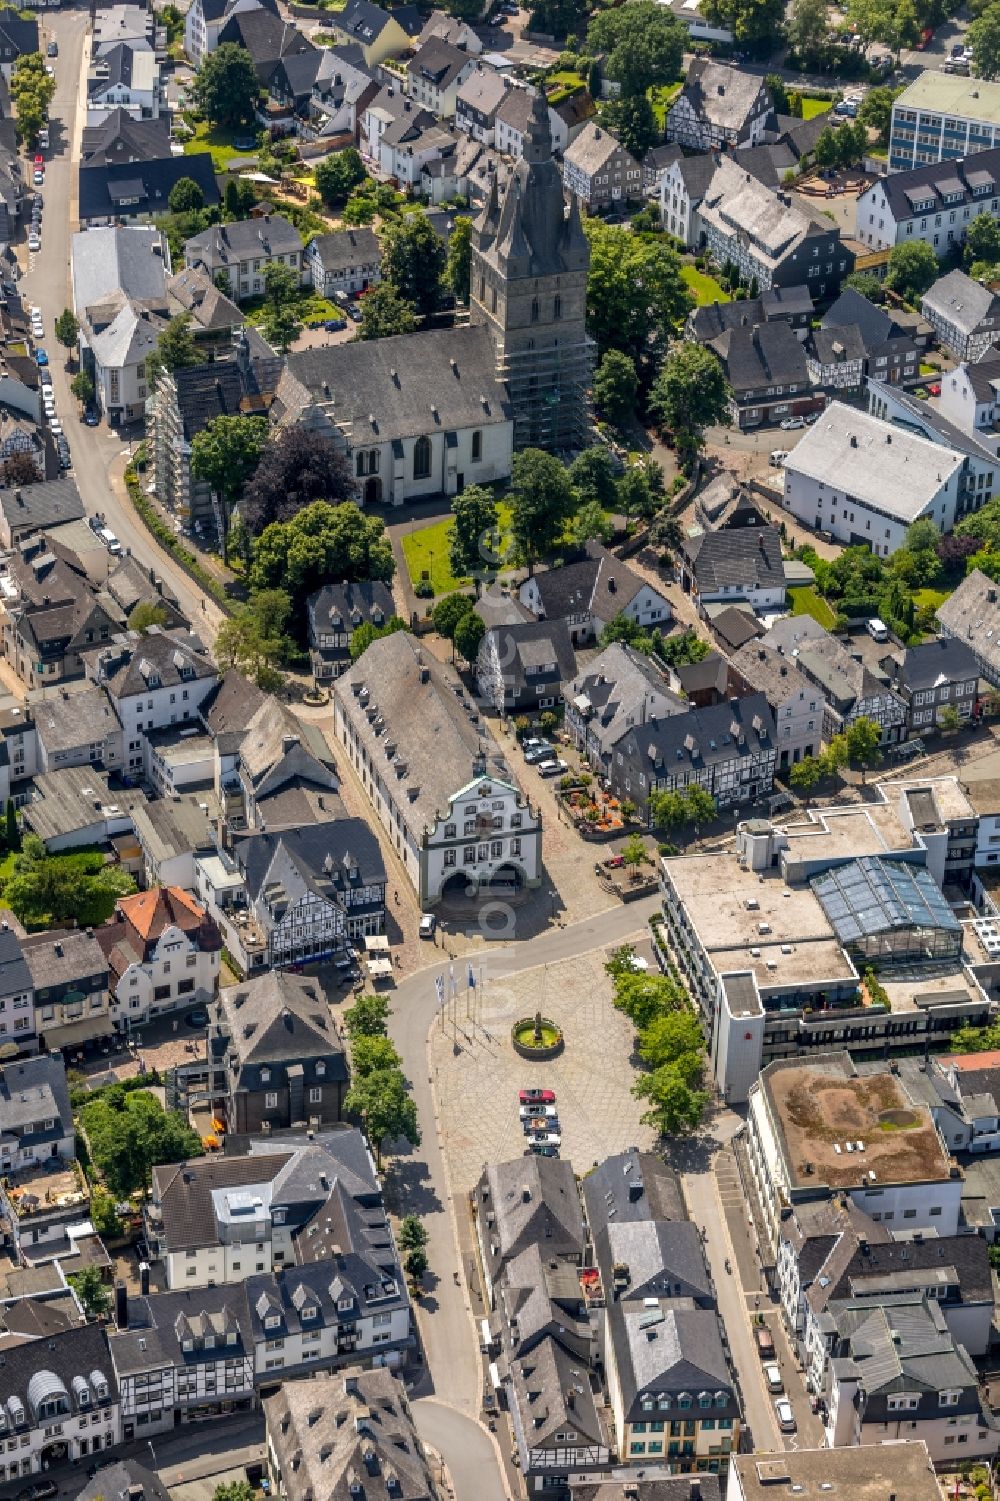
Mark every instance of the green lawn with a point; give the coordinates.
(705, 288)
(812, 107)
(806, 601)
(217, 139)
(562, 83)
(661, 97)
(933, 598)
(427, 551)
(309, 305)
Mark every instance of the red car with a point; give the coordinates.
(39, 159)
(935, 389)
(926, 36)
(537, 1097)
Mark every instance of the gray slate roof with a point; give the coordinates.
(346, 247)
(631, 1186)
(123, 258)
(960, 301)
(30, 508)
(31, 1089)
(276, 1017)
(747, 557)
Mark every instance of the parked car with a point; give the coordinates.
(877, 629)
(537, 1125)
(958, 50)
(428, 925)
(38, 1490)
(537, 1096)
(52, 50)
(765, 1342)
(45, 376)
(354, 312)
(548, 1139)
(535, 742)
(34, 243)
(65, 457)
(41, 358)
(934, 388)
(539, 754)
(772, 1375)
(786, 1417)
(529, 1112)
(541, 1149)
(55, 427)
(38, 177)
(91, 416)
(334, 325)
(790, 424)
(556, 768)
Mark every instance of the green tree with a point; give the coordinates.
(447, 613)
(636, 296)
(413, 261)
(281, 292)
(468, 636)
(552, 17)
(673, 810)
(633, 852)
(238, 199)
(615, 386)
(459, 263)
(384, 313)
(226, 87)
(632, 121)
(186, 197)
(82, 387)
(175, 348)
(366, 633)
(864, 739)
(875, 111)
(976, 1039)
(103, 1214)
(805, 774)
(297, 467)
(754, 23)
(542, 502)
(912, 268)
(320, 542)
(416, 1263)
(593, 477)
(948, 718)
(67, 328)
(674, 1108)
(129, 1135)
(91, 1289)
(689, 394)
(869, 286)
(645, 997)
(592, 524)
(474, 537)
(672, 1037)
(47, 890)
(827, 151)
(779, 94)
(984, 39)
(146, 613)
(253, 639)
(922, 535)
(225, 454)
(644, 43)
(234, 1490)
(385, 1108)
(412, 1235)
(370, 1054)
(639, 491)
(873, 20)
(337, 176)
(982, 239)
(368, 1017)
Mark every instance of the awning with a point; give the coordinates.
(376, 943)
(379, 969)
(75, 1034)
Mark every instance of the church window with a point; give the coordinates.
(482, 288)
(534, 310)
(361, 463)
(493, 299)
(557, 308)
(477, 445)
(373, 461)
(422, 458)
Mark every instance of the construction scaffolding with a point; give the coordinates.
(549, 394)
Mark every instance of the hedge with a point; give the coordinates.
(155, 524)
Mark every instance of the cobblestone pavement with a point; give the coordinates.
(477, 1074)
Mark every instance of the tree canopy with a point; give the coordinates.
(318, 543)
(632, 121)
(615, 386)
(297, 467)
(984, 39)
(636, 297)
(186, 196)
(413, 262)
(912, 268)
(129, 1133)
(542, 502)
(473, 538)
(226, 86)
(384, 313)
(689, 394)
(226, 453)
(366, 633)
(254, 639)
(47, 890)
(753, 22)
(381, 1101)
(644, 43)
(175, 348)
(338, 175)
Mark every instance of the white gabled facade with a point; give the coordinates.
(178, 973)
(487, 825)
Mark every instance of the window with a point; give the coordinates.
(557, 309)
(315, 1096)
(422, 458)
(477, 445)
(534, 310)
(270, 1101)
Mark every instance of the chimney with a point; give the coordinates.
(525, 1194)
(121, 1305)
(288, 742)
(144, 1278)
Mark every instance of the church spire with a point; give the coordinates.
(538, 140)
(488, 221)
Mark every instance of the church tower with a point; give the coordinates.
(530, 259)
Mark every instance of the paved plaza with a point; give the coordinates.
(477, 1074)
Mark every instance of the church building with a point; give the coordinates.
(428, 413)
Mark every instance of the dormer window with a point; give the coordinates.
(320, 1070)
(309, 1311)
(265, 1076)
(187, 1345)
(272, 1321)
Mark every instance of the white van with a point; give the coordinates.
(110, 541)
(877, 629)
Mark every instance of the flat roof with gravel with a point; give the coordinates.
(727, 905)
(830, 1474)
